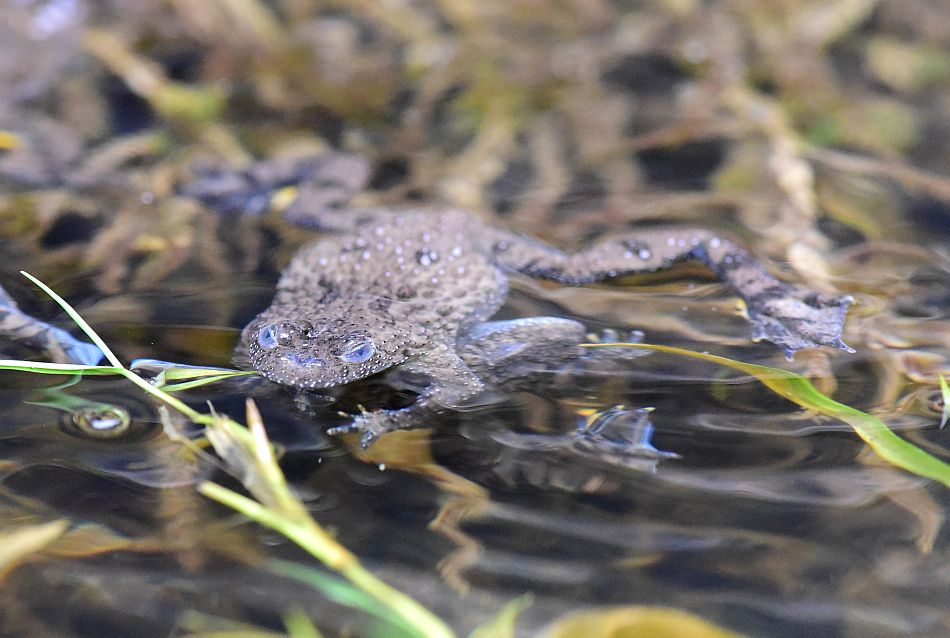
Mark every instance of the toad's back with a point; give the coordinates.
(436, 267)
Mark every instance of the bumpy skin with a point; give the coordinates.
(415, 289)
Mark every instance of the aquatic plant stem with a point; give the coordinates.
(281, 510)
(278, 508)
(324, 547)
(75, 316)
(800, 390)
(117, 366)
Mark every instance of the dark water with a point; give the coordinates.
(771, 521)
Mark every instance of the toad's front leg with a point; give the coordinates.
(452, 383)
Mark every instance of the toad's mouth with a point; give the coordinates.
(298, 369)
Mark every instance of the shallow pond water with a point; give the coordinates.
(769, 521)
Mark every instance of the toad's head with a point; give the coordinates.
(322, 347)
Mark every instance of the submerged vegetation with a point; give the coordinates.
(249, 455)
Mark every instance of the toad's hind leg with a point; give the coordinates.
(791, 317)
(514, 353)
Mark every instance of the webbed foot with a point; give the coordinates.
(372, 425)
(799, 318)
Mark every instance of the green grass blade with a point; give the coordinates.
(800, 390)
(186, 373)
(503, 624)
(85, 327)
(945, 394)
(56, 368)
(251, 456)
(299, 625)
(197, 383)
(342, 592)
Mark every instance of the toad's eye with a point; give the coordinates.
(267, 337)
(358, 350)
(276, 334)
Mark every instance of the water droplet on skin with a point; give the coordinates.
(391, 348)
(427, 257)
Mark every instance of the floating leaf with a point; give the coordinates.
(635, 622)
(19, 543)
(503, 624)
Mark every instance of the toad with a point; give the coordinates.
(415, 290)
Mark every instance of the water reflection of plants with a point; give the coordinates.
(248, 454)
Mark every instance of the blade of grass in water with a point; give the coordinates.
(187, 376)
(283, 511)
(343, 593)
(945, 394)
(56, 368)
(800, 390)
(85, 327)
(279, 508)
(197, 383)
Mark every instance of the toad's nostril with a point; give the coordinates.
(305, 360)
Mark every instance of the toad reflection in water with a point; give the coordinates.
(415, 290)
